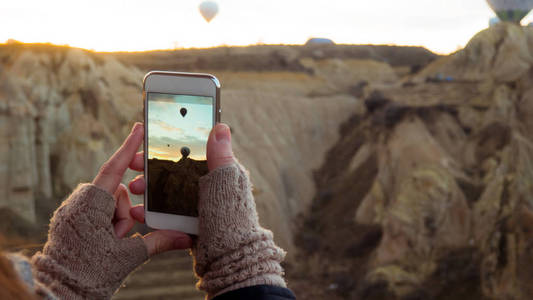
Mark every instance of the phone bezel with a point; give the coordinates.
(179, 83)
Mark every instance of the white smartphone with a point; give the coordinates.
(179, 111)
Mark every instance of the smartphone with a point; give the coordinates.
(179, 111)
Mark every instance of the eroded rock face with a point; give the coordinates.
(173, 186)
(18, 178)
(435, 181)
(281, 137)
(63, 113)
(502, 54)
(67, 110)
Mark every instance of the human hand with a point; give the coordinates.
(232, 250)
(87, 255)
(219, 154)
(109, 178)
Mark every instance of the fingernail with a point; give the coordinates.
(136, 126)
(222, 133)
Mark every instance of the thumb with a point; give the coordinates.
(165, 240)
(219, 152)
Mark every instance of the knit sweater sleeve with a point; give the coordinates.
(83, 258)
(233, 251)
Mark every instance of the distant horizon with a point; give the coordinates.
(195, 48)
(175, 161)
(441, 26)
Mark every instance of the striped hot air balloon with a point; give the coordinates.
(511, 10)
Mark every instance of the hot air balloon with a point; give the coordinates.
(185, 151)
(511, 10)
(319, 41)
(208, 9)
(493, 21)
(183, 111)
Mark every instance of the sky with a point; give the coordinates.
(442, 26)
(169, 130)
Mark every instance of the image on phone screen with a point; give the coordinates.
(177, 127)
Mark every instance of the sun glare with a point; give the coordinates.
(134, 25)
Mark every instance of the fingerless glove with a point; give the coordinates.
(232, 250)
(83, 258)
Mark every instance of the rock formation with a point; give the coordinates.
(63, 111)
(502, 54)
(427, 195)
(66, 110)
(173, 186)
(383, 177)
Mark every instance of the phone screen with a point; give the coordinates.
(177, 127)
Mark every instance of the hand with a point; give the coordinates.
(109, 178)
(219, 154)
(232, 250)
(87, 255)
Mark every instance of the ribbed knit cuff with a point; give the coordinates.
(233, 250)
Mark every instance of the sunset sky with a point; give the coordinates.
(168, 130)
(134, 25)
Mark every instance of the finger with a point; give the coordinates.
(112, 171)
(123, 219)
(137, 213)
(122, 227)
(137, 185)
(123, 206)
(137, 163)
(165, 240)
(219, 152)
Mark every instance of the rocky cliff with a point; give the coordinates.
(173, 186)
(384, 178)
(427, 195)
(64, 111)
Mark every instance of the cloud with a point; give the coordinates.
(162, 141)
(203, 130)
(169, 148)
(161, 98)
(164, 125)
(160, 152)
